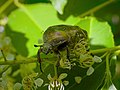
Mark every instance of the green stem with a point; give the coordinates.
(97, 8)
(108, 76)
(28, 60)
(107, 64)
(55, 70)
(117, 52)
(105, 50)
(4, 6)
(104, 55)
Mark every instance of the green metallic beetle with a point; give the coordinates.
(60, 37)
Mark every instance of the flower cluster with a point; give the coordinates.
(57, 83)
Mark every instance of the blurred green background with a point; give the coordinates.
(78, 8)
(109, 13)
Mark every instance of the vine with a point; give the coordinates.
(93, 10)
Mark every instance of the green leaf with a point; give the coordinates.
(81, 8)
(99, 32)
(59, 5)
(26, 26)
(25, 69)
(91, 82)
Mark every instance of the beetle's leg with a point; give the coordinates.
(39, 59)
(68, 54)
(38, 56)
(58, 61)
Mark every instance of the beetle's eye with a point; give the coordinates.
(46, 48)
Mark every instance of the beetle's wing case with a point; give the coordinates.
(75, 30)
(56, 35)
(76, 34)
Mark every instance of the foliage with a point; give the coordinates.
(19, 69)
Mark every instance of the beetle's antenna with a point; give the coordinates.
(41, 68)
(37, 45)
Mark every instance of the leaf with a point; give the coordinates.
(99, 32)
(59, 5)
(26, 26)
(91, 82)
(25, 69)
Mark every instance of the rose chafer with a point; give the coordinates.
(61, 37)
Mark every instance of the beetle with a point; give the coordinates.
(60, 37)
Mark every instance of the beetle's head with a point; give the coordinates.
(46, 48)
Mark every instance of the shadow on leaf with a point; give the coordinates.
(18, 40)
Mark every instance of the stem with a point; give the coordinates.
(107, 64)
(97, 8)
(104, 55)
(105, 50)
(4, 6)
(117, 52)
(28, 60)
(55, 69)
(108, 76)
